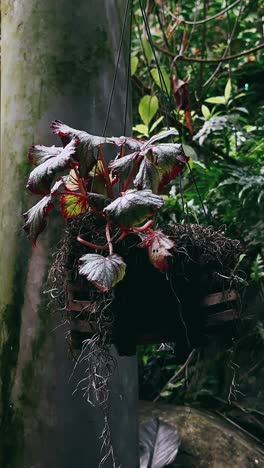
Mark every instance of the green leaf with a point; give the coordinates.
(147, 50)
(35, 218)
(158, 121)
(216, 100)
(133, 207)
(190, 152)
(206, 112)
(238, 96)
(228, 88)
(134, 64)
(141, 129)
(102, 272)
(148, 108)
(161, 83)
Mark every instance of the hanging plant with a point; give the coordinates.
(110, 211)
(118, 276)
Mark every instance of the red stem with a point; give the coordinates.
(106, 174)
(146, 226)
(132, 173)
(89, 244)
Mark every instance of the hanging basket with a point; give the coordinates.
(219, 309)
(193, 301)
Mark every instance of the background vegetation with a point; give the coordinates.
(199, 68)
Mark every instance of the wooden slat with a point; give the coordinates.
(225, 316)
(218, 298)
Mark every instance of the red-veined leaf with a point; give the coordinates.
(86, 148)
(158, 245)
(38, 154)
(130, 142)
(73, 204)
(102, 272)
(123, 166)
(40, 179)
(160, 136)
(133, 207)
(171, 161)
(35, 218)
(71, 181)
(147, 176)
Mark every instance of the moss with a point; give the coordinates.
(29, 392)
(11, 438)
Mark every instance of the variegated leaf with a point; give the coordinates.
(133, 207)
(102, 272)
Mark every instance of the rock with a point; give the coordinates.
(208, 441)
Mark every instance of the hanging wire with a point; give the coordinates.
(113, 87)
(128, 65)
(116, 67)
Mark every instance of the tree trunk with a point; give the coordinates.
(58, 61)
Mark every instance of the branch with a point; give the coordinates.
(205, 20)
(174, 378)
(213, 60)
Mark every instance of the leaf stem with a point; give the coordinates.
(106, 173)
(132, 173)
(147, 225)
(90, 244)
(108, 237)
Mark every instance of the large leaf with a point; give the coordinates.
(40, 179)
(98, 201)
(87, 144)
(123, 166)
(147, 176)
(73, 204)
(132, 143)
(158, 245)
(148, 107)
(160, 136)
(35, 218)
(102, 272)
(38, 154)
(133, 207)
(159, 443)
(171, 161)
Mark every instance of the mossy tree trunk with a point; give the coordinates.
(57, 62)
